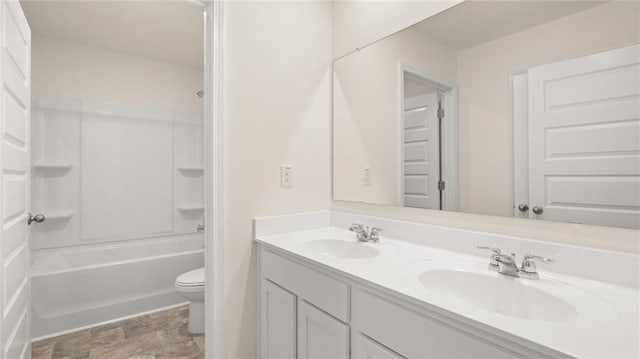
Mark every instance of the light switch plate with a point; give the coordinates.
(366, 176)
(286, 176)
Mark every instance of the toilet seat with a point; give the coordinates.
(192, 279)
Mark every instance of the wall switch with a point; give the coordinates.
(366, 176)
(286, 176)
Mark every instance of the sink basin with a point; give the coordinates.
(340, 248)
(472, 284)
(498, 294)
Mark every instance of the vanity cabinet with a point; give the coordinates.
(303, 313)
(308, 312)
(320, 335)
(365, 347)
(278, 323)
(414, 334)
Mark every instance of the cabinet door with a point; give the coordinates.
(277, 322)
(320, 335)
(365, 348)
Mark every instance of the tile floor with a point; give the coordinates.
(152, 336)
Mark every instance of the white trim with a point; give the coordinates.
(519, 142)
(214, 231)
(449, 134)
(400, 134)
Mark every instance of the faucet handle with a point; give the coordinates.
(374, 234)
(529, 264)
(538, 258)
(356, 227)
(494, 252)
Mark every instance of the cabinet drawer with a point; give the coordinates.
(324, 292)
(415, 335)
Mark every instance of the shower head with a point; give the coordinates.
(200, 93)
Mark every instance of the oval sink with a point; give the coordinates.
(498, 294)
(340, 248)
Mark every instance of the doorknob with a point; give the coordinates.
(537, 210)
(200, 228)
(38, 218)
(523, 207)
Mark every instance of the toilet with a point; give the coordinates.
(191, 286)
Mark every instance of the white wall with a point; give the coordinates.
(483, 78)
(277, 66)
(366, 126)
(357, 23)
(73, 70)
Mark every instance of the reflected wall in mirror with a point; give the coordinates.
(524, 109)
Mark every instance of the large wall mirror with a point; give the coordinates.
(529, 109)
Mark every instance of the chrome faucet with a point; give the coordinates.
(506, 264)
(366, 235)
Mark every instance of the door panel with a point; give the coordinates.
(421, 152)
(320, 336)
(15, 38)
(365, 348)
(584, 128)
(278, 322)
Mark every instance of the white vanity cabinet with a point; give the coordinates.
(278, 322)
(365, 347)
(302, 313)
(411, 333)
(308, 312)
(320, 335)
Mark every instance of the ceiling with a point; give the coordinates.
(474, 22)
(167, 31)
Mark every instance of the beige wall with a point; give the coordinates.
(483, 78)
(68, 69)
(366, 104)
(357, 23)
(277, 66)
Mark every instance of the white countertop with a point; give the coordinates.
(605, 323)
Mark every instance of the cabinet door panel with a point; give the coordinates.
(320, 335)
(365, 348)
(278, 322)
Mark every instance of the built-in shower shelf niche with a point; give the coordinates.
(51, 168)
(57, 215)
(191, 207)
(191, 169)
(53, 165)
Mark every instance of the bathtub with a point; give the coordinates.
(78, 287)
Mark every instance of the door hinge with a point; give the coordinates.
(441, 113)
(441, 185)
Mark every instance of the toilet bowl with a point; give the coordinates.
(191, 286)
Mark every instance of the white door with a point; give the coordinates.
(320, 336)
(421, 152)
(15, 41)
(277, 322)
(584, 139)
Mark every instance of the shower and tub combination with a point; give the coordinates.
(121, 189)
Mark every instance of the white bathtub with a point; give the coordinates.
(77, 287)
